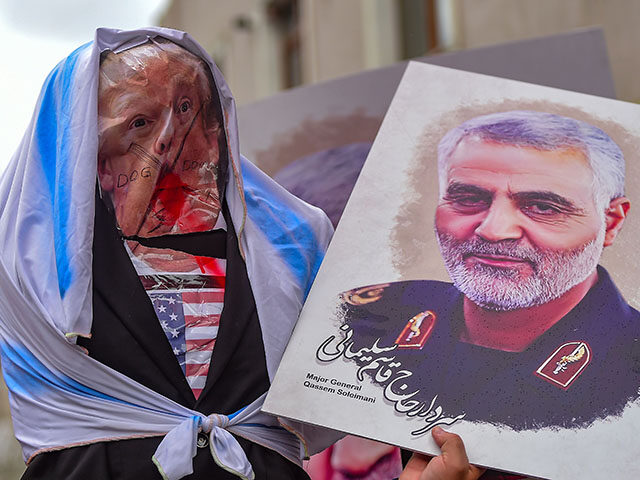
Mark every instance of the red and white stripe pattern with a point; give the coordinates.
(188, 306)
(202, 311)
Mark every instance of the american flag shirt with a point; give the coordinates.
(188, 304)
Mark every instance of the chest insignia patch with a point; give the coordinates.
(565, 364)
(417, 330)
(364, 295)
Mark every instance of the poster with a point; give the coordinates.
(313, 140)
(514, 321)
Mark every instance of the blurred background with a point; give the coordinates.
(266, 46)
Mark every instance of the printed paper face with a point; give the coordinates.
(159, 140)
(483, 278)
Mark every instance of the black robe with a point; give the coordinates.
(127, 336)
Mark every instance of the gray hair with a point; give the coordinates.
(544, 131)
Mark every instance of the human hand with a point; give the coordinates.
(451, 464)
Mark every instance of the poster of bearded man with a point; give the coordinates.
(483, 278)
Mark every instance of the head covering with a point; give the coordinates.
(59, 396)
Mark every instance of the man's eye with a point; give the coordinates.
(471, 201)
(185, 106)
(468, 204)
(138, 123)
(541, 208)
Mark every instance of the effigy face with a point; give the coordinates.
(159, 137)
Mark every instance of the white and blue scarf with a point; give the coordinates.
(59, 396)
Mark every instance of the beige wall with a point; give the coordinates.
(239, 37)
(342, 37)
(337, 37)
(484, 22)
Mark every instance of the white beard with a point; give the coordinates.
(503, 289)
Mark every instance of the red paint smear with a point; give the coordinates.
(209, 266)
(170, 197)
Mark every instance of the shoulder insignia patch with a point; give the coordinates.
(565, 364)
(417, 330)
(364, 295)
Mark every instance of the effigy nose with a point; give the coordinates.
(164, 141)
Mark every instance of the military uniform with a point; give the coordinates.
(585, 367)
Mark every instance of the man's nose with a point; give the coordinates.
(502, 222)
(165, 137)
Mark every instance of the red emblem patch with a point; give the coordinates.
(417, 330)
(566, 363)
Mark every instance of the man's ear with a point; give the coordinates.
(105, 175)
(614, 218)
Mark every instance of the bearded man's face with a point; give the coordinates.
(517, 226)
